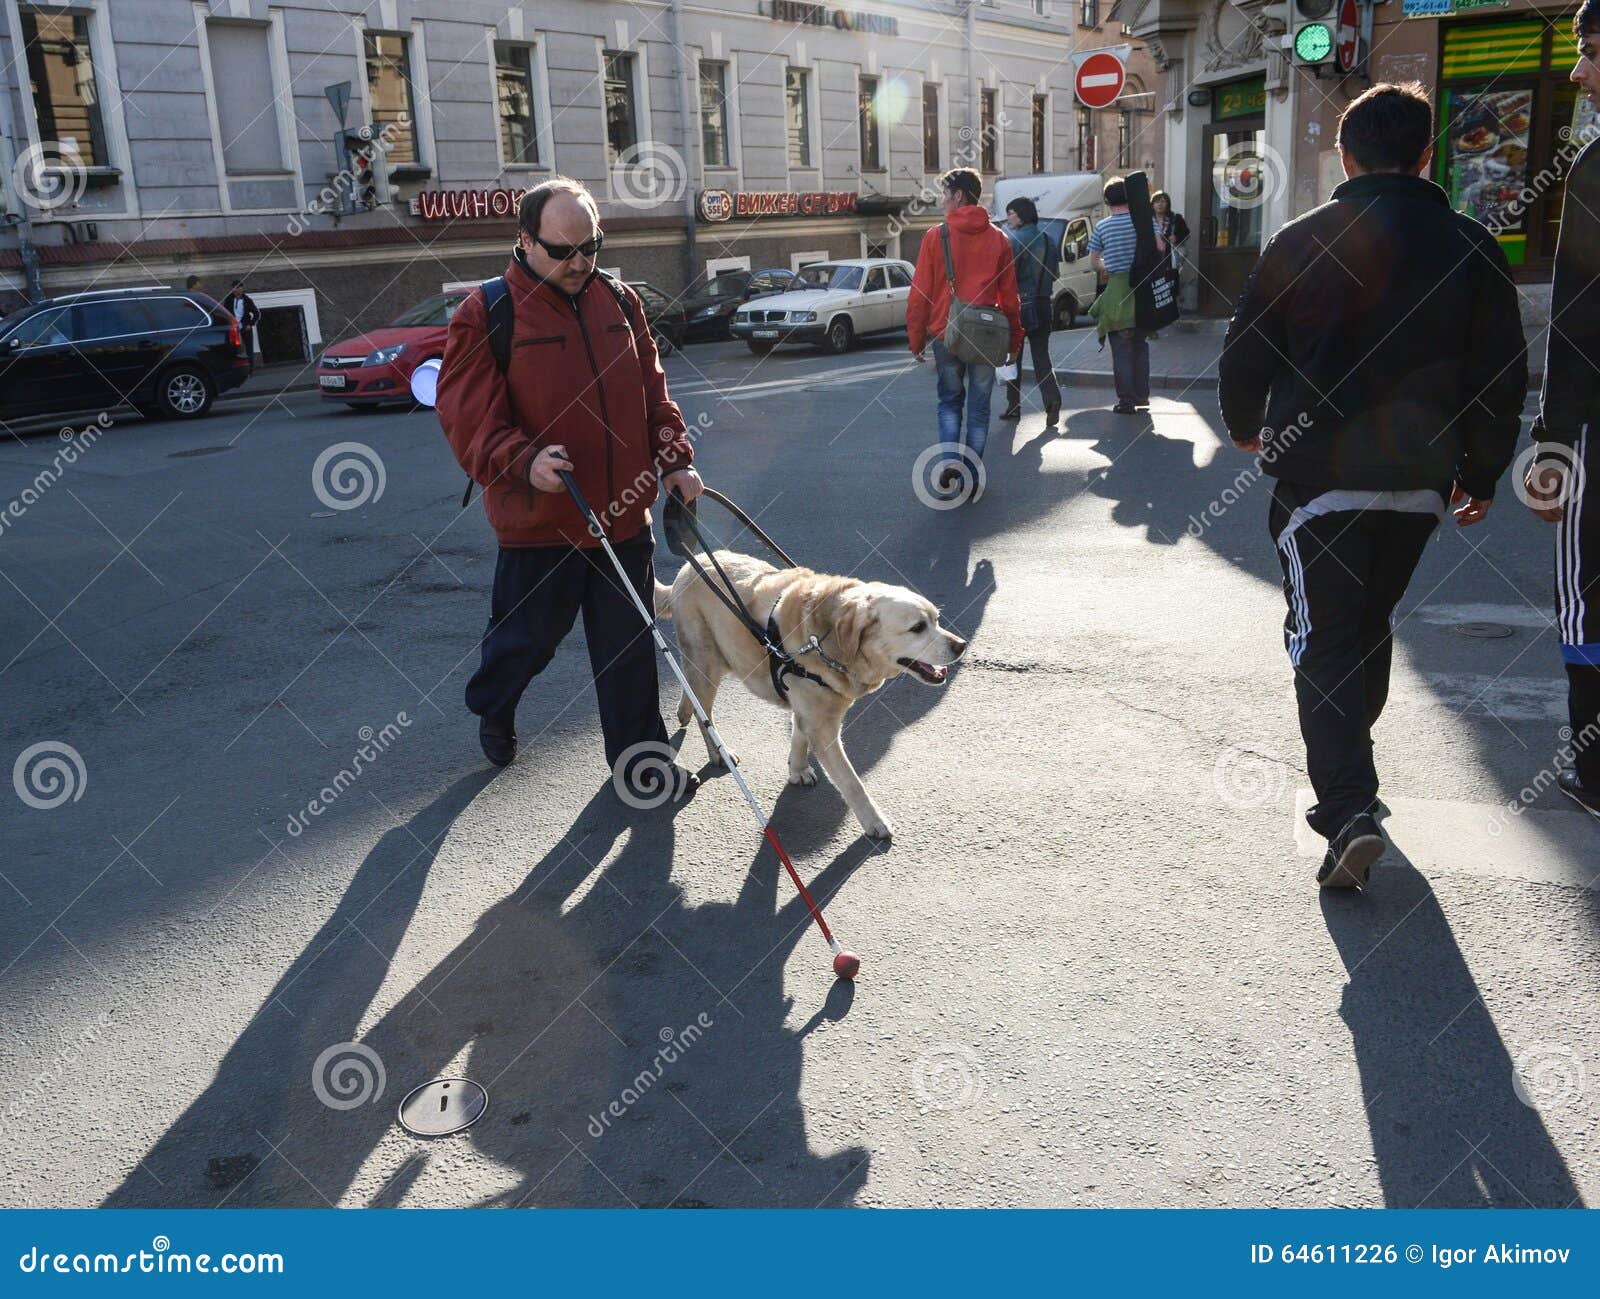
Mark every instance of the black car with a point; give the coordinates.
(165, 352)
(661, 314)
(707, 310)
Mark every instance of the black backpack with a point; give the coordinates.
(501, 311)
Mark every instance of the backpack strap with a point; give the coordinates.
(497, 305)
(949, 264)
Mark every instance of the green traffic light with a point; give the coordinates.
(1313, 42)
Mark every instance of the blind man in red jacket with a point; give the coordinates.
(584, 392)
(985, 274)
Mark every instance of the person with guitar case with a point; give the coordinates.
(1137, 299)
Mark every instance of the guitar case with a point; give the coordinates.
(1155, 295)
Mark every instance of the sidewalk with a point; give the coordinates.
(275, 380)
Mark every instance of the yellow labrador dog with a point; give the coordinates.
(866, 632)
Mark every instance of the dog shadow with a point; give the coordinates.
(1449, 1129)
(604, 1012)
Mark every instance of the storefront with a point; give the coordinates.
(1234, 145)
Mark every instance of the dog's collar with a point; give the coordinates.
(781, 664)
(814, 646)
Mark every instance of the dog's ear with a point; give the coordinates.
(854, 616)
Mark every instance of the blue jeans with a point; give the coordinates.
(962, 382)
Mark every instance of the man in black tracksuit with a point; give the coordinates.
(1380, 337)
(1563, 483)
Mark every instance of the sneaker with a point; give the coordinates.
(1352, 854)
(1574, 789)
(498, 737)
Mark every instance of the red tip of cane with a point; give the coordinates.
(846, 964)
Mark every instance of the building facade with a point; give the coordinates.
(1250, 136)
(350, 157)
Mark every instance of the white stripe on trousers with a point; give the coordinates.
(1298, 603)
(1569, 554)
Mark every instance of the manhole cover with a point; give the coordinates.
(1482, 630)
(443, 1106)
(197, 451)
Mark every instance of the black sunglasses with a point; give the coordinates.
(564, 252)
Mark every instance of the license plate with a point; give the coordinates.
(334, 381)
(766, 333)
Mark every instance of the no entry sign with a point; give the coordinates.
(1100, 79)
(1348, 37)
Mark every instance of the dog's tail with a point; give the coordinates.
(663, 599)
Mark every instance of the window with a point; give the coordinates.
(1042, 8)
(389, 93)
(1124, 138)
(899, 277)
(41, 330)
(622, 117)
(241, 77)
(175, 313)
(875, 282)
(794, 89)
(430, 311)
(931, 153)
(990, 132)
(65, 98)
(1088, 13)
(714, 114)
(771, 282)
(513, 83)
(1086, 158)
(1040, 116)
(867, 107)
(109, 319)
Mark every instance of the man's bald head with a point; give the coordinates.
(558, 213)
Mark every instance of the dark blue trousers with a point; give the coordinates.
(538, 593)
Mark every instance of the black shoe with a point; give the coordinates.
(1124, 408)
(650, 790)
(498, 736)
(1011, 412)
(948, 480)
(1352, 854)
(1574, 789)
(1052, 415)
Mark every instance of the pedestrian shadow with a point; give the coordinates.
(213, 1150)
(1448, 1129)
(635, 1047)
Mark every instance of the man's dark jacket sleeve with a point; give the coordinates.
(1572, 354)
(1256, 346)
(1497, 365)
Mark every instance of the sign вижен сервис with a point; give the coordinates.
(721, 204)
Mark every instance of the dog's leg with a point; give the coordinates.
(801, 771)
(826, 744)
(703, 665)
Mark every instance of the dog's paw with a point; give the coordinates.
(716, 758)
(806, 776)
(878, 827)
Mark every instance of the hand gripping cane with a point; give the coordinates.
(845, 963)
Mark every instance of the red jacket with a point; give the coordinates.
(985, 274)
(576, 365)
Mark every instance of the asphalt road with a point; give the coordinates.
(1096, 968)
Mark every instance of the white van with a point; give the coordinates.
(1069, 204)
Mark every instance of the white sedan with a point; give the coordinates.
(845, 300)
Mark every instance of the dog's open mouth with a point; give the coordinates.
(933, 673)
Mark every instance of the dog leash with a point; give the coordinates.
(781, 663)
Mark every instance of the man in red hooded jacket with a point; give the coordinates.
(584, 392)
(986, 274)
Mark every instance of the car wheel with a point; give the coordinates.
(760, 349)
(839, 337)
(1066, 311)
(185, 392)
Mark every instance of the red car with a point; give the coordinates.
(374, 368)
